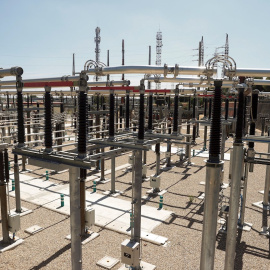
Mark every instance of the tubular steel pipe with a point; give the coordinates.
(48, 120)
(150, 113)
(237, 172)
(82, 200)
(3, 201)
(17, 185)
(14, 71)
(111, 117)
(175, 112)
(20, 123)
(141, 114)
(127, 110)
(148, 70)
(75, 217)
(212, 187)
(266, 196)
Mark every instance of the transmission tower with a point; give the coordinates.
(226, 54)
(158, 51)
(201, 53)
(97, 49)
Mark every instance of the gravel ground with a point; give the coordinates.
(49, 249)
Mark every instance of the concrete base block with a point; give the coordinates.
(87, 238)
(115, 194)
(107, 262)
(13, 243)
(143, 265)
(24, 211)
(33, 230)
(261, 206)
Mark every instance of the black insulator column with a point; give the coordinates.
(193, 108)
(121, 115)
(215, 138)
(21, 131)
(8, 101)
(127, 110)
(111, 118)
(189, 103)
(48, 119)
(255, 97)
(240, 117)
(205, 107)
(82, 101)
(234, 108)
(141, 114)
(133, 100)
(251, 132)
(226, 108)
(175, 112)
(6, 165)
(194, 133)
(150, 113)
(210, 109)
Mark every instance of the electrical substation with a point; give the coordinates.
(103, 174)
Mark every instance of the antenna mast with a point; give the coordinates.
(97, 49)
(158, 52)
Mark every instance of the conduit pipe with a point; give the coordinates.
(14, 71)
(176, 70)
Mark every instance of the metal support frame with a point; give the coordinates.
(75, 216)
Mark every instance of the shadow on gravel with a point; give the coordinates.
(51, 258)
(241, 249)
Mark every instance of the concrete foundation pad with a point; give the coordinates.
(86, 239)
(115, 194)
(202, 196)
(265, 232)
(24, 211)
(143, 265)
(111, 213)
(33, 230)
(247, 226)
(261, 192)
(261, 206)
(107, 262)
(104, 181)
(14, 243)
(165, 168)
(146, 179)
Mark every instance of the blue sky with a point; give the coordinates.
(41, 36)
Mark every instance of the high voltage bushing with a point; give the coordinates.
(20, 123)
(240, 116)
(141, 112)
(6, 165)
(212, 187)
(111, 116)
(205, 107)
(210, 109)
(234, 108)
(82, 101)
(127, 110)
(255, 97)
(48, 119)
(150, 112)
(193, 108)
(2, 174)
(215, 139)
(175, 112)
(226, 108)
